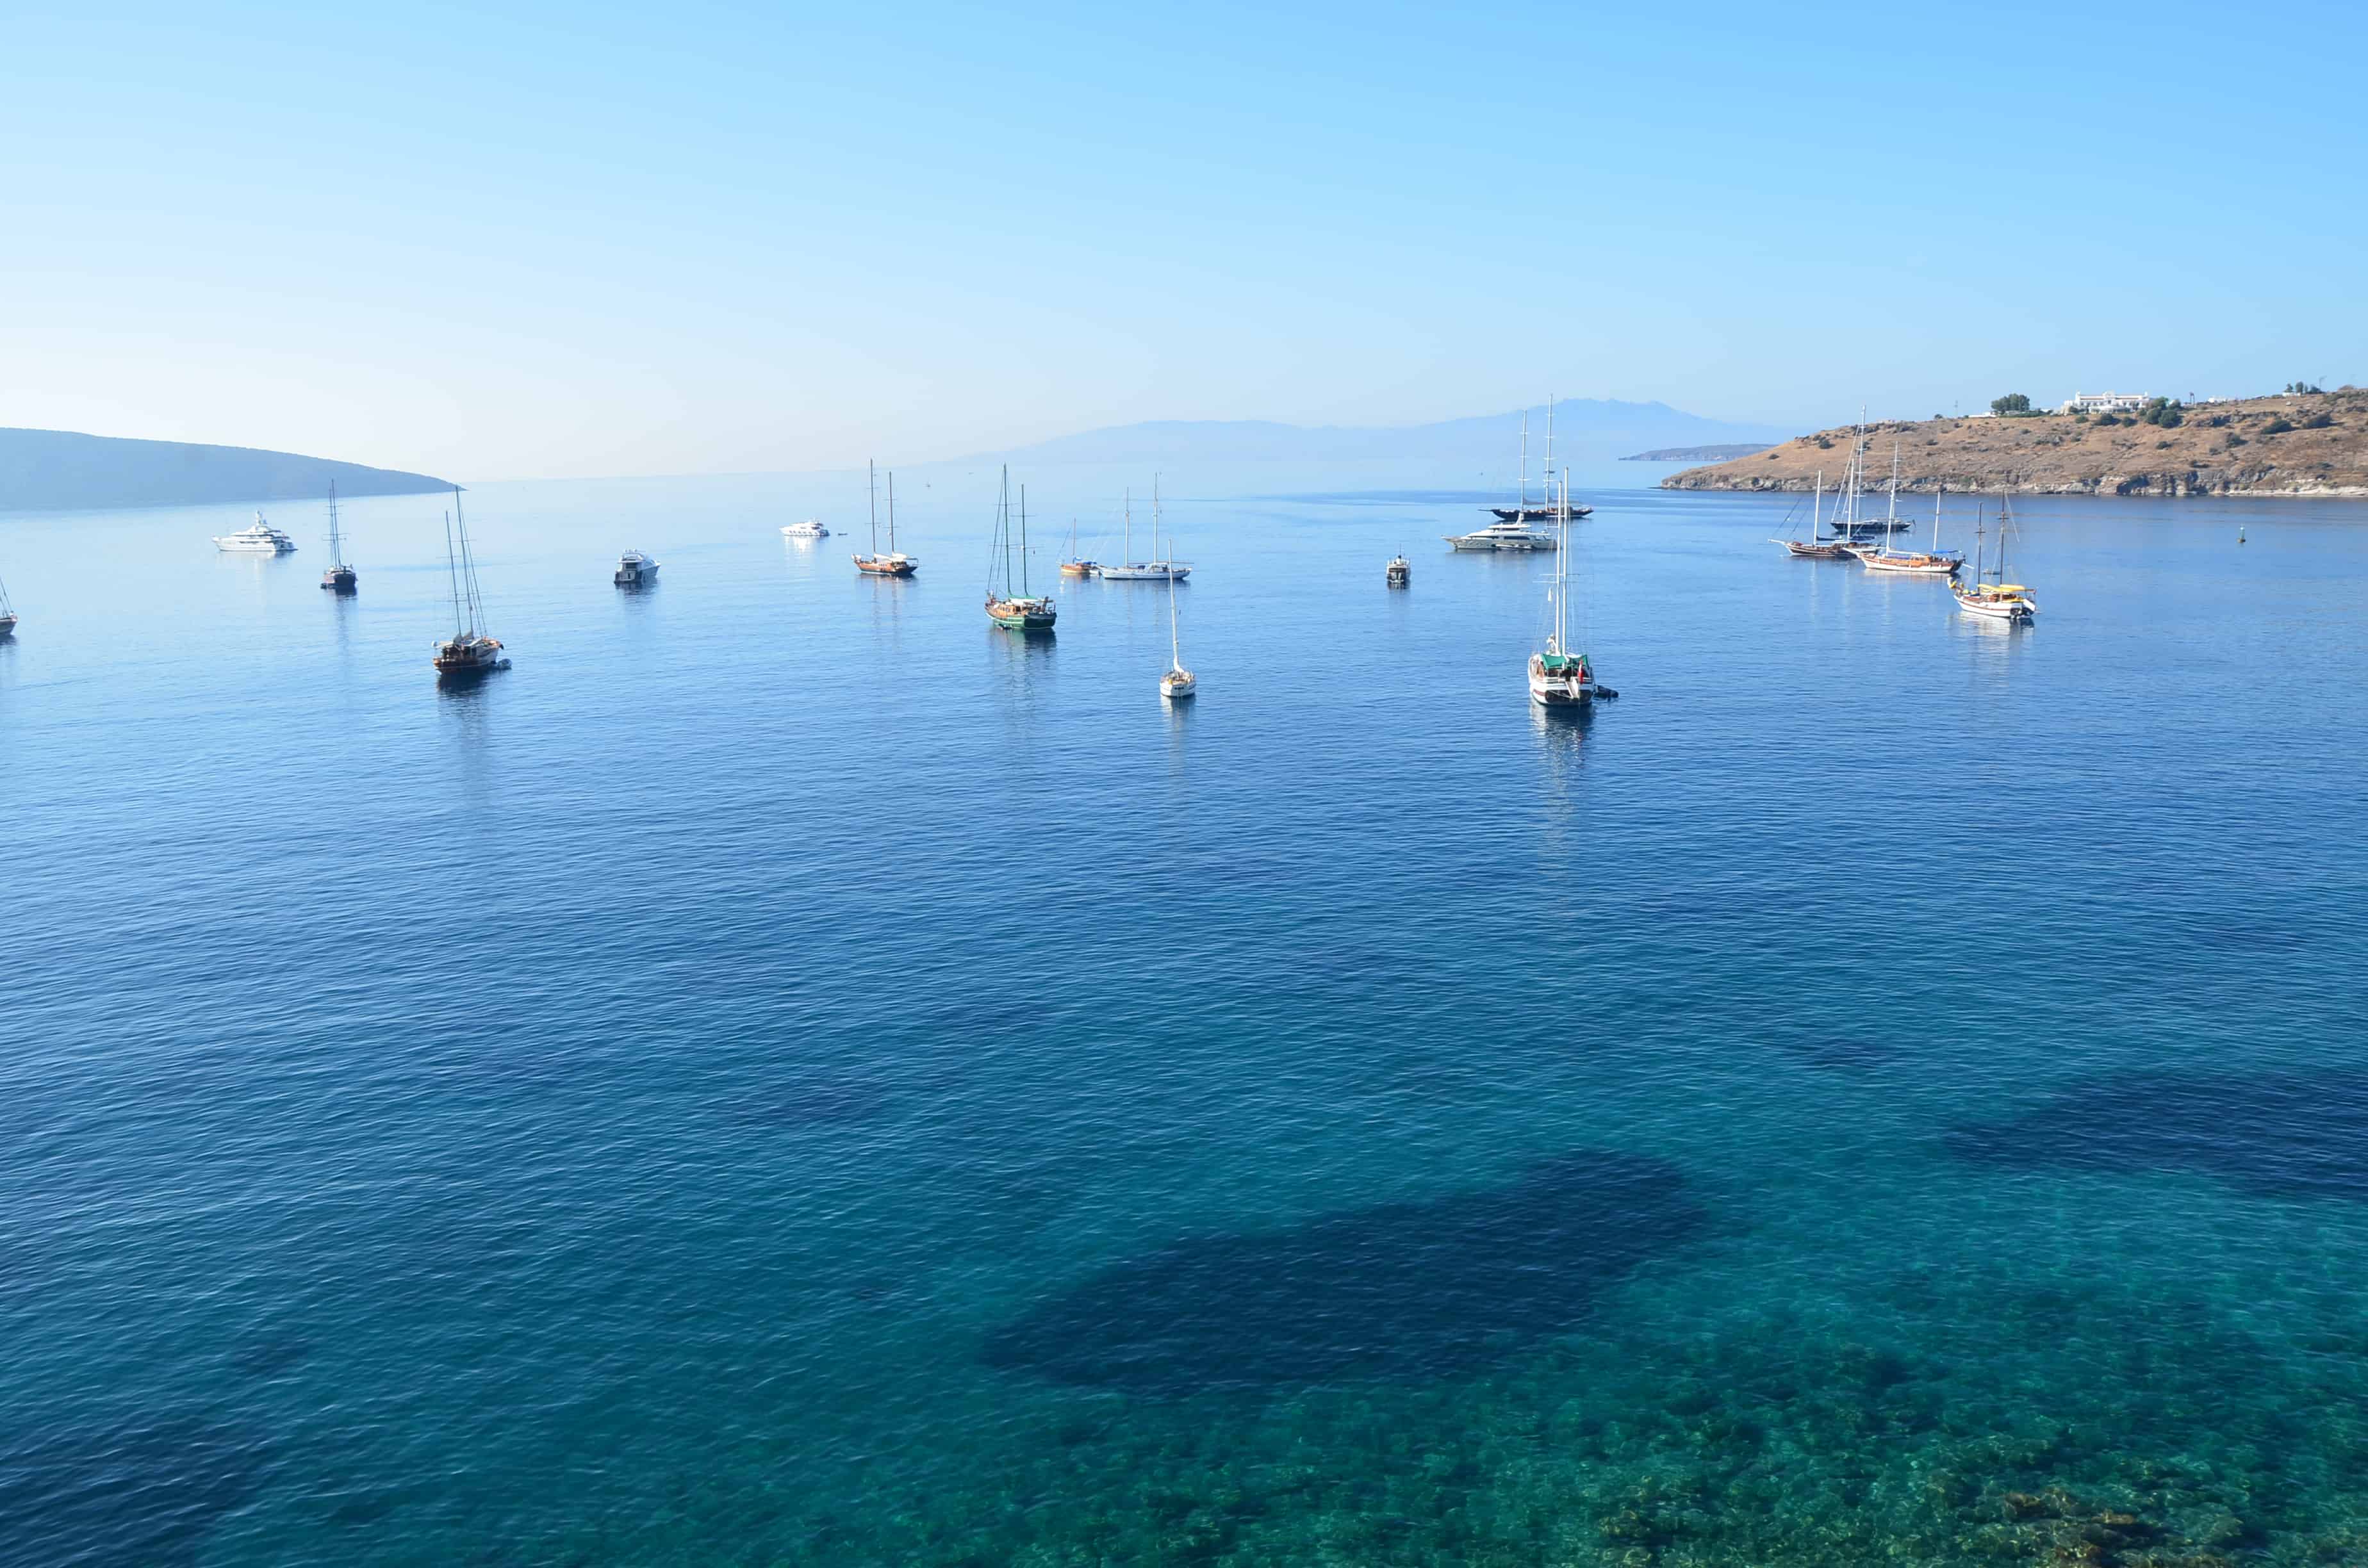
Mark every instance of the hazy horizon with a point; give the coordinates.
(563, 244)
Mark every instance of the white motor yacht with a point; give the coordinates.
(635, 570)
(810, 528)
(258, 538)
(1504, 536)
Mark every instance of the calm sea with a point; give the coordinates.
(790, 1074)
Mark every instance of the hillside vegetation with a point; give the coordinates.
(2293, 444)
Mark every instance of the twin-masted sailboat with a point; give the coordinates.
(339, 577)
(1990, 593)
(1558, 677)
(1812, 548)
(1021, 611)
(469, 650)
(1546, 510)
(895, 563)
(1158, 566)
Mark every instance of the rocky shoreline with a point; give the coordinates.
(2307, 445)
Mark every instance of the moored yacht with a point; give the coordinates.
(468, 652)
(635, 570)
(1933, 563)
(1158, 568)
(1400, 572)
(1075, 565)
(1812, 548)
(1022, 611)
(1990, 594)
(1503, 536)
(810, 528)
(7, 615)
(1558, 677)
(339, 578)
(257, 537)
(1177, 683)
(895, 563)
(1545, 511)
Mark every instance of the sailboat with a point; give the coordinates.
(339, 577)
(7, 615)
(468, 652)
(1073, 564)
(895, 563)
(1520, 511)
(1158, 566)
(1177, 683)
(1848, 528)
(1021, 611)
(1812, 548)
(1933, 563)
(1558, 677)
(1992, 595)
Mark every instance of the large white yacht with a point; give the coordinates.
(258, 538)
(810, 528)
(1504, 536)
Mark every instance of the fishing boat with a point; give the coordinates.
(635, 570)
(257, 537)
(1075, 565)
(1177, 683)
(1520, 511)
(339, 578)
(1158, 568)
(895, 563)
(1812, 548)
(809, 529)
(1558, 677)
(1400, 572)
(1021, 611)
(1990, 593)
(468, 652)
(1932, 563)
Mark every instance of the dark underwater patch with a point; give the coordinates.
(1843, 1053)
(139, 1495)
(2298, 1134)
(1394, 1291)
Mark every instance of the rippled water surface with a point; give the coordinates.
(790, 1074)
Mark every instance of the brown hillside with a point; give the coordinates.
(2221, 449)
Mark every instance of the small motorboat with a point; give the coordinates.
(635, 570)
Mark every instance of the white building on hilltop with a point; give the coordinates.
(2103, 402)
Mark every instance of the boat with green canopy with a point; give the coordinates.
(1021, 611)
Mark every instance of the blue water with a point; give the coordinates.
(790, 1073)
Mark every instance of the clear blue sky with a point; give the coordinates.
(603, 239)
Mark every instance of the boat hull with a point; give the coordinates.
(1078, 568)
(1138, 573)
(470, 656)
(244, 547)
(1022, 615)
(7, 627)
(885, 565)
(1537, 514)
(338, 580)
(1177, 686)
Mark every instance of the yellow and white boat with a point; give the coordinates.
(1990, 593)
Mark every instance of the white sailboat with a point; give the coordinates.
(1559, 678)
(7, 615)
(1177, 683)
(1159, 567)
(895, 563)
(468, 652)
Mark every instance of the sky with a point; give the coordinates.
(505, 241)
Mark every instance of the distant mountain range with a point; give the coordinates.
(1586, 429)
(42, 470)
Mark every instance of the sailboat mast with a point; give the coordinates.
(1936, 519)
(1818, 508)
(1562, 574)
(337, 546)
(468, 561)
(1524, 502)
(1130, 525)
(891, 511)
(1549, 467)
(1175, 644)
(452, 565)
(871, 484)
(1024, 541)
(1155, 523)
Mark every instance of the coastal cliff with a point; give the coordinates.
(2310, 444)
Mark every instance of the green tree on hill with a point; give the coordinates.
(2012, 402)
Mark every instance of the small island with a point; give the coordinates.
(2303, 442)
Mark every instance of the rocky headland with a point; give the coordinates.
(2304, 444)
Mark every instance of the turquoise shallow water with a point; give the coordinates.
(788, 1073)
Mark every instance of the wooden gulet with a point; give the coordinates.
(1022, 611)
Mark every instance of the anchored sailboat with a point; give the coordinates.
(1021, 611)
(1177, 683)
(895, 563)
(1933, 563)
(468, 652)
(1073, 564)
(1992, 595)
(7, 615)
(1158, 566)
(339, 577)
(1812, 548)
(1558, 677)
(1520, 511)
